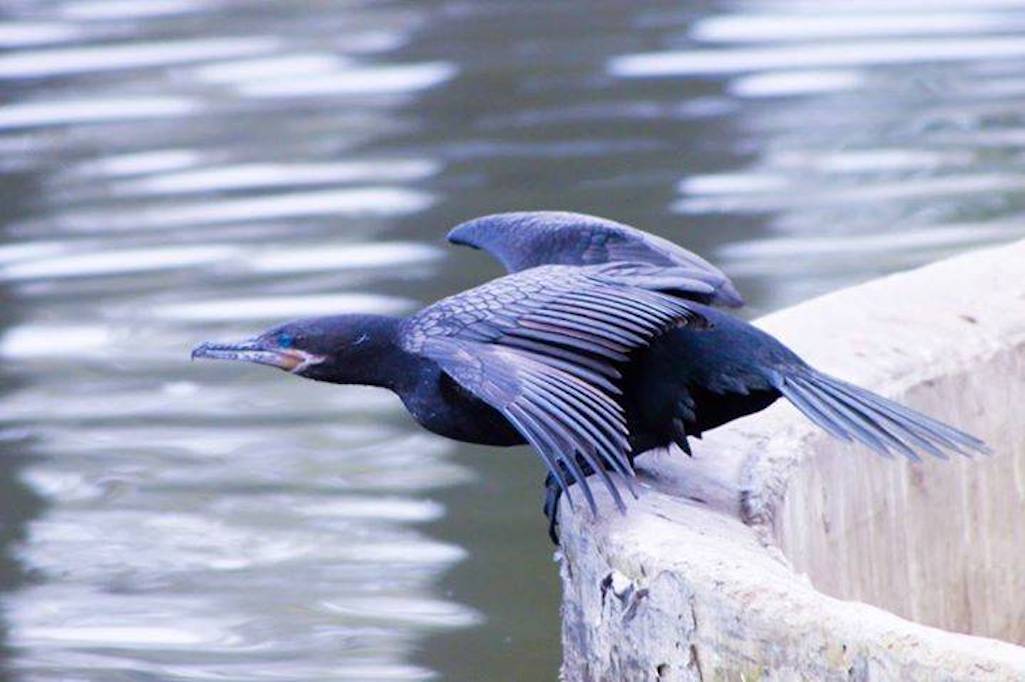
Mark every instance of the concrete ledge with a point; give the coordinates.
(777, 553)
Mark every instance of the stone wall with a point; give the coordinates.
(777, 553)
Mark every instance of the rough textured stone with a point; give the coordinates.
(777, 553)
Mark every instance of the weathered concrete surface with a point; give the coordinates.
(752, 560)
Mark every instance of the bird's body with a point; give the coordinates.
(603, 343)
(444, 407)
(702, 378)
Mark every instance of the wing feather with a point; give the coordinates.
(541, 347)
(525, 240)
(573, 362)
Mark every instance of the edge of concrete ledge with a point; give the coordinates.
(710, 575)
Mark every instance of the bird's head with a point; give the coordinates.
(338, 348)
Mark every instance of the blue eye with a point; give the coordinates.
(285, 340)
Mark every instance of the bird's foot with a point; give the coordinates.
(553, 493)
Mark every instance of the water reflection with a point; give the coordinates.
(175, 170)
(93, 110)
(55, 62)
(22, 503)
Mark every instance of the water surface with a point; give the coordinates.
(178, 170)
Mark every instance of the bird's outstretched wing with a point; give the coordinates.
(541, 346)
(525, 240)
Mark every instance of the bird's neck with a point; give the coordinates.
(376, 358)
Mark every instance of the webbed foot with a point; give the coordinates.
(553, 493)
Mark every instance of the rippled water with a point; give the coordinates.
(177, 170)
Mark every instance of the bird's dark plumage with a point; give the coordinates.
(603, 343)
(542, 347)
(520, 241)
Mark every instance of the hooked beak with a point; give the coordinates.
(259, 351)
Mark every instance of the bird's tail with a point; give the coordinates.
(854, 414)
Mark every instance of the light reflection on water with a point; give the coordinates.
(178, 170)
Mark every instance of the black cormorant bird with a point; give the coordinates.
(603, 342)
